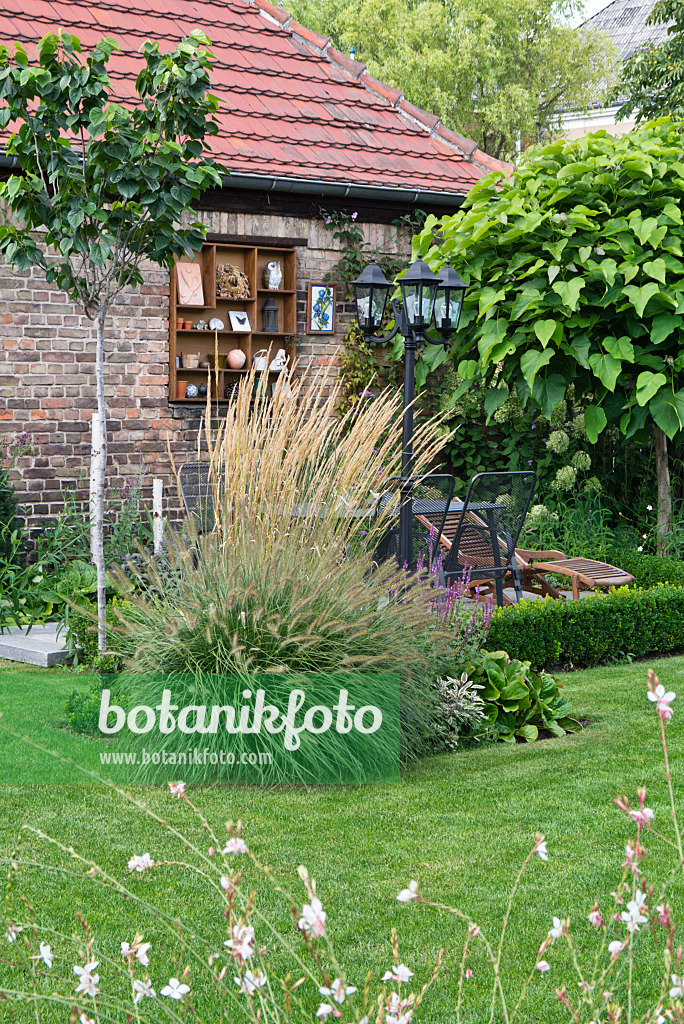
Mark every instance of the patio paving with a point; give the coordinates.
(41, 646)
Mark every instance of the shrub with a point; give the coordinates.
(519, 702)
(648, 570)
(633, 621)
(83, 707)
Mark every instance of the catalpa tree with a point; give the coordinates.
(103, 186)
(576, 276)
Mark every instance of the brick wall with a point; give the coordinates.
(47, 372)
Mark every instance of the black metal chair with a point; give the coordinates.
(431, 498)
(197, 491)
(484, 543)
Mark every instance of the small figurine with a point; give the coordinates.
(273, 275)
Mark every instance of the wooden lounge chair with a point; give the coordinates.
(585, 573)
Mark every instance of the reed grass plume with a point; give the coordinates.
(286, 582)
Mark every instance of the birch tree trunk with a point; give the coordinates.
(664, 490)
(98, 469)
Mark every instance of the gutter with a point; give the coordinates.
(312, 186)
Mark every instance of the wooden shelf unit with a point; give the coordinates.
(252, 260)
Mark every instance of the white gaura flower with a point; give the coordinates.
(540, 848)
(313, 918)
(324, 1009)
(594, 917)
(138, 863)
(543, 966)
(406, 895)
(615, 948)
(251, 982)
(45, 954)
(242, 942)
(175, 989)
(642, 815)
(338, 990)
(235, 845)
(399, 974)
(12, 931)
(142, 989)
(84, 1019)
(138, 951)
(87, 979)
(557, 930)
(662, 700)
(633, 916)
(177, 789)
(677, 990)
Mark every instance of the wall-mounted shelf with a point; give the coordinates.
(251, 260)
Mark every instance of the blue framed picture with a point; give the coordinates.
(320, 309)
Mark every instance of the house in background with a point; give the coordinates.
(304, 130)
(625, 22)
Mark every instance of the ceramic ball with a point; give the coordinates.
(191, 391)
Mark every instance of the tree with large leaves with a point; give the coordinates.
(102, 187)
(498, 71)
(575, 267)
(651, 82)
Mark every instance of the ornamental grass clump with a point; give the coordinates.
(286, 581)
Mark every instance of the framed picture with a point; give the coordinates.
(320, 309)
(239, 321)
(189, 278)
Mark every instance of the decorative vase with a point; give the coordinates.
(236, 359)
(181, 387)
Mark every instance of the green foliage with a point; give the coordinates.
(648, 570)
(496, 71)
(82, 707)
(593, 630)
(355, 254)
(651, 81)
(575, 276)
(519, 702)
(119, 195)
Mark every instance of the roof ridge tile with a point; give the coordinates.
(308, 35)
(456, 141)
(276, 13)
(348, 64)
(427, 120)
(388, 92)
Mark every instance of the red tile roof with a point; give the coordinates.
(293, 106)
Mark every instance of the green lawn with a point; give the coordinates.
(461, 824)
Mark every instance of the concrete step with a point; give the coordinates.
(41, 646)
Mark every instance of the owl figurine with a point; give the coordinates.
(273, 275)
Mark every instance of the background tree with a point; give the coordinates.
(499, 71)
(651, 82)
(108, 185)
(576, 277)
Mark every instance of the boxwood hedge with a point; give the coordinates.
(631, 620)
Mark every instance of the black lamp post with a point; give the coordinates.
(426, 301)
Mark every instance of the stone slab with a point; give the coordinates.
(41, 646)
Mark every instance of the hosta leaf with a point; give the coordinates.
(528, 732)
(569, 291)
(607, 369)
(648, 384)
(544, 329)
(639, 296)
(594, 422)
(532, 361)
